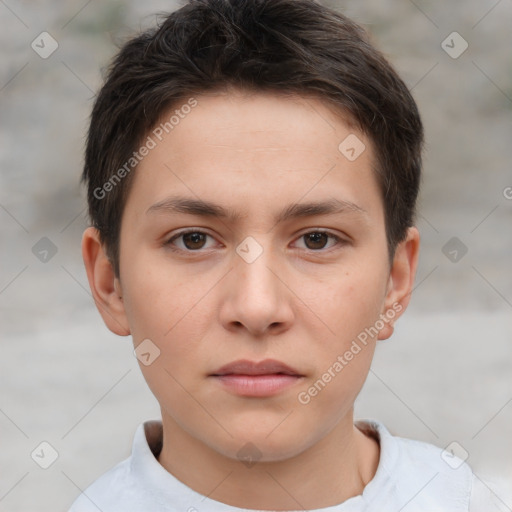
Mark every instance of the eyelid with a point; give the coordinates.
(340, 241)
(168, 241)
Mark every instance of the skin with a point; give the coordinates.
(299, 302)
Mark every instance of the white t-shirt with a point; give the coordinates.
(411, 476)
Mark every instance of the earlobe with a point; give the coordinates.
(105, 287)
(401, 280)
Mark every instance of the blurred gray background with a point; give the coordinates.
(445, 376)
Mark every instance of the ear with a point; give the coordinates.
(105, 287)
(401, 280)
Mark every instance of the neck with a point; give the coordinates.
(328, 473)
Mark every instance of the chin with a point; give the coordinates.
(250, 443)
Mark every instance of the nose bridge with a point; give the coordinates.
(258, 298)
(254, 260)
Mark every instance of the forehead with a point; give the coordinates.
(262, 121)
(250, 150)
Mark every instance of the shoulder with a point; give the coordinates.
(418, 476)
(483, 499)
(415, 476)
(441, 479)
(110, 491)
(126, 486)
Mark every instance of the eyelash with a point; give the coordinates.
(168, 244)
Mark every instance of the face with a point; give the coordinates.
(254, 275)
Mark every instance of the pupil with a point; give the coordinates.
(198, 238)
(195, 238)
(317, 238)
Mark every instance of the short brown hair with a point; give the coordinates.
(290, 46)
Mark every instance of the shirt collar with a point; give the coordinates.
(163, 487)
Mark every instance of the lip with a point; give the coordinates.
(265, 367)
(257, 379)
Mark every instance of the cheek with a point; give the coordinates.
(349, 302)
(168, 312)
(343, 358)
(172, 310)
(158, 296)
(330, 396)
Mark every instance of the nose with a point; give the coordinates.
(257, 297)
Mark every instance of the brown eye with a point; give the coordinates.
(190, 241)
(320, 241)
(194, 240)
(316, 240)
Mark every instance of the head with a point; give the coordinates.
(287, 147)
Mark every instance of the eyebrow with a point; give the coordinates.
(199, 207)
